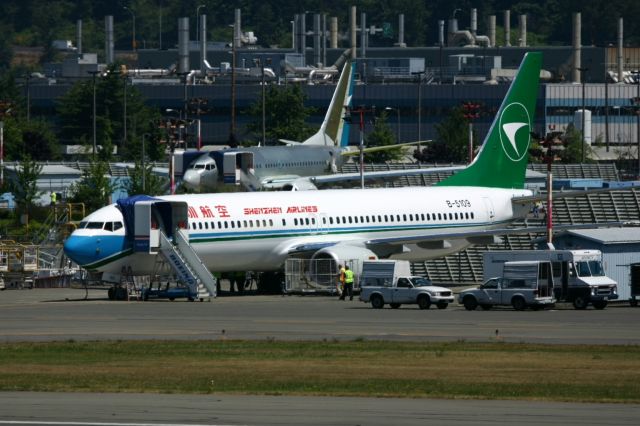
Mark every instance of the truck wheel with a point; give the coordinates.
(600, 304)
(377, 302)
(486, 307)
(394, 305)
(470, 303)
(442, 305)
(111, 293)
(633, 303)
(580, 303)
(424, 302)
(518, 304)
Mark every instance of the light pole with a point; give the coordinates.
(124, 113)
(133, 30)
(2, 154)
(397, 110)
(261, 61)
(232, 129)
(95, 144)
(144, 168)
(583, 71)
(198, 22)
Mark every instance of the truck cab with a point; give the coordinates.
(383, 282)
(523, 284)
(579, 276)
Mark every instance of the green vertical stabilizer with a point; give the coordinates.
(502, 160)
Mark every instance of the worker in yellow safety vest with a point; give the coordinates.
(348, 283)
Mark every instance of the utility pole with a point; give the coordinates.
(232, 129)
(583, 71)
(471, 112)
(95, 144)
(348, 117)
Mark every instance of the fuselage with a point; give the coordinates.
(262, 167)
(258, 231)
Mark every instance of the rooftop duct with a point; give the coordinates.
(108, 44)
(183, 45)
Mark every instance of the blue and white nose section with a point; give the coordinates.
(82, 250)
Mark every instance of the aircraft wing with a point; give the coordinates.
(160, 171)
(355, 151)
(341, 177)
(567, 194)
(481, 236)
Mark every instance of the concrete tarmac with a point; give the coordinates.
(61, 314)
(82, 409)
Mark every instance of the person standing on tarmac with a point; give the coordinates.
(340, 286)
(348, 283)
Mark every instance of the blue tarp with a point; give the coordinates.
(126, 206)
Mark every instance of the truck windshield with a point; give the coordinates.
(592, 268)
(420, 282)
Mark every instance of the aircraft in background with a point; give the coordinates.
(273, 167)
(293, 166)
(259, 231)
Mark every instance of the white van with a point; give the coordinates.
(522, 284)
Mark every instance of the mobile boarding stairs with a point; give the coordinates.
(160, 228)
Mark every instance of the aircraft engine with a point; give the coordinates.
(302, 184)
(324, 262)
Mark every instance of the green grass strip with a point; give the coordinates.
(496, 370)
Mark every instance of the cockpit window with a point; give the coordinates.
(82, 225)
(117, 225)
(198, 166)
(108, 226)
(211, 166)
(95, 225)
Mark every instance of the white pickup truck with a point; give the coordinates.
(391, 282)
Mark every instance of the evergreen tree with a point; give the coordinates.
(75, 110)
(574, 147)
(153, 184)
(452, 142)
(285, 114)
(94, 188)
(25, 185)
(382, 136)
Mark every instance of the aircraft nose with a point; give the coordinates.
(191, 179)
(79, 249)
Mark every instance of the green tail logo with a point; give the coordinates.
(502, 160)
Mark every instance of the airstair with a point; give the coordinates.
(187, 265)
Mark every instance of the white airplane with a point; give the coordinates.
(293, 166)
(273, 167)
(259, 231)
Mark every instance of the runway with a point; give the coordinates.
(56, 409)
(61, 314)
